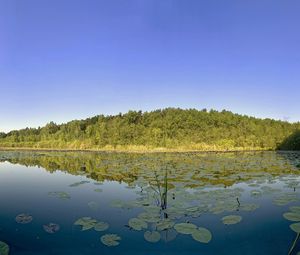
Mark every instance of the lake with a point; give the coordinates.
(156, 203)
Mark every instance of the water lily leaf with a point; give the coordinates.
(285, 199)
(51, 228)
(98, 190)
(295, 227)
(249, 207)
(151, 217)
(256, 193)
(202, 235)
(86, 223)
(169, 235)
(110, 239)
(59, 194)
(101, 226)
(291, 216)
(185, 228)
(4, 248)
(164, 225)
(231, 219)
(152, 236)
(295, 209)
(137, 224)
(24, 218)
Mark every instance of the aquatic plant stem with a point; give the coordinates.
(294, 244)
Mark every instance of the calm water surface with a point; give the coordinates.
(113, 203)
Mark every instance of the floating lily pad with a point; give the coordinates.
(291, 216)
(256, 193)
(185, 228)
(169, 235)
(137, 224)
(202, 235)
(98, 190)
(59, 194)
(151, 217)
(231, 219)
(152, 236)
(86, 223)
(295, 227)
(110, 240)
(24, 218)
(4, 248)
(295, 209)
(101, 226)
(249, 207)
(51, 228)
(164, 225)
(285, 199)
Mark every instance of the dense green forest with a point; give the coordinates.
(292, 142)
(173, 129)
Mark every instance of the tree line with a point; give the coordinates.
(169, 128)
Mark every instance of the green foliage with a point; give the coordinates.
(161, 129)
(292, 142)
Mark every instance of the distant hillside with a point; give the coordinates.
(170, 128)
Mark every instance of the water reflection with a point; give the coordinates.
(145, 200)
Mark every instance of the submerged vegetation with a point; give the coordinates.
(168, 129)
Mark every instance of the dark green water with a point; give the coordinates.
(149, 203)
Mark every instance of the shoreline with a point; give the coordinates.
(163, 150)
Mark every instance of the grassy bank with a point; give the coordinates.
(135, 149)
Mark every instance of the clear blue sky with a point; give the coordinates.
(70, 59)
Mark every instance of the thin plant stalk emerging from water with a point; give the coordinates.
(294, 244)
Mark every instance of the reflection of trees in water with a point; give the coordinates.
(293, 157)
(192, 169)
(175, 183)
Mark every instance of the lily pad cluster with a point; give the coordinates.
(294, 216)
(137, 224)
(88, 223)
(199, 234)
(196, 185)
(285, 198)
